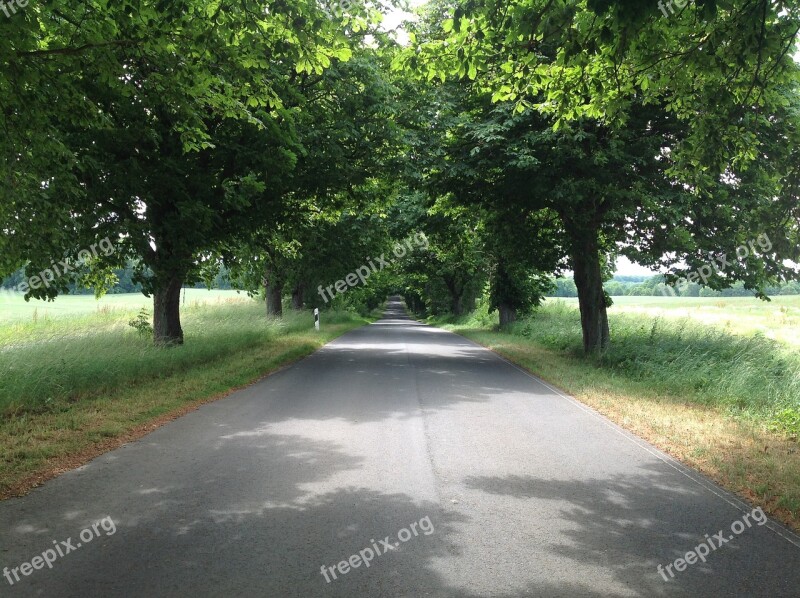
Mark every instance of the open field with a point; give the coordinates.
(76, 384)
(778, 319)
(719, 393)
(13, 308)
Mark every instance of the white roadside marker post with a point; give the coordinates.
(316, 318)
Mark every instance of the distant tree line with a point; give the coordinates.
(124, 282)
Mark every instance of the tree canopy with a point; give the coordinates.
(288, 144)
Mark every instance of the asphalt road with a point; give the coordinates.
(512, 489)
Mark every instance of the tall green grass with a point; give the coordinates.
(747, 376)
(47, 364)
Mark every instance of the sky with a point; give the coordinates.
(625, 267)
(395, 17)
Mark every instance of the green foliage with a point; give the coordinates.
(451, 271)
(170, 128)
(525, 138)
(708, 63)
(787, 421)
(747, 376)
(607, 124)
(480, 317)
(141, 324)
(516, 287)
(331, 223)
(45, 366)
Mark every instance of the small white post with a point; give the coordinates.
(316, 318)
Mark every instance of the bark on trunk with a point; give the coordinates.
(457, 305)
(591, 299)
(456, 296)
(297, 297)
(167, 314)
(274, 291)
(508, 315)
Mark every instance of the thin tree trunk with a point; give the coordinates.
(167, 314)
(591, 299)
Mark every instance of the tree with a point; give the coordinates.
(452, 270)
(162, 126)
(637, 167)
(345, 139)
(522, 250)
(718, 67)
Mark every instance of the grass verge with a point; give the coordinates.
(70, 393)
(723, 404)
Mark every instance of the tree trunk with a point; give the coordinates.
(456, 296)
(273, 288)
(167, 313)
(591, 299)
(297, 297)
(508, 315)
(457, 305)
(470, 304)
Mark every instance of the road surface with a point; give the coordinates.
(400, 460)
